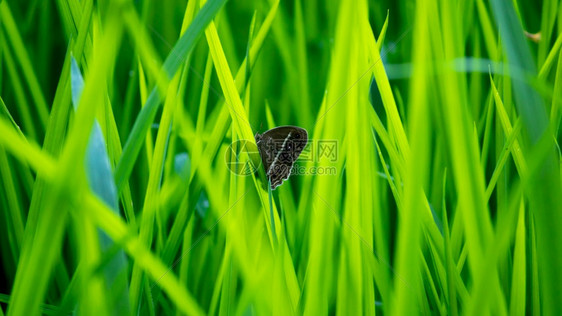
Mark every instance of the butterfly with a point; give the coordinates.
(279, 148)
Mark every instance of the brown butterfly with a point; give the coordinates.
(279, 148)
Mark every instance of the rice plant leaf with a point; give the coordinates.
(9, 24)
(118, 231)
(519, 280)
(145, 118)
(100, 178)
(533, 114)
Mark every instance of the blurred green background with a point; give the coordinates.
(115, 122)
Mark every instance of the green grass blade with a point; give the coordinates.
(176, 57)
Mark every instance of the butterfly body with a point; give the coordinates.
(279, 148)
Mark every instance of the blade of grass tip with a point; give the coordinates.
(508, 130)
(248, 73)
(114, 149)
(203, 103)
(502, 159)
(475, 86)
(71, 15)
(396, 159)
(100, 178)
(382, 34)
(395, 125)
(130, 100)
(501, 185)
(69, 298)
(389, 178)
(5, 113)
(399, 102)
(145, 49)
(114, 152)
(256, 44)
(145, 118)
(13, 200)
(25, 63)
(544, 71)
(143, 96)
(233, 101)
(487, 131)
(225, 28)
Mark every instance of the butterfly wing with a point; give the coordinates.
(279, 148)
